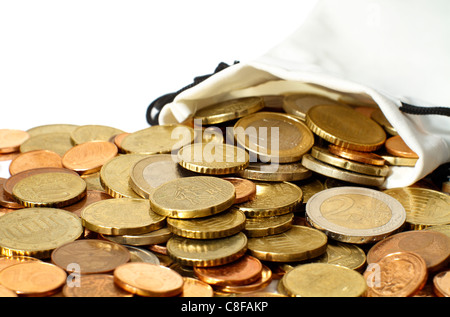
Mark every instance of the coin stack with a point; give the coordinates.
(243, 199)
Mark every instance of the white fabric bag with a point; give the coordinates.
(392, 51)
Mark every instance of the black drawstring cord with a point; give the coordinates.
(154, 109)
(410, 109)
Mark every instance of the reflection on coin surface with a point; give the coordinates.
(145, 279)
(34, 278)
(398, 274)
(355, 214)
(192, 197)
(37, 231)
(89, 256)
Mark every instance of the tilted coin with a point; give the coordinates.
(158, 139)
(394, 160)
(193, 287)
(298, 104)
(35, 278)
(325, 156)
(146, 279)
(272, 198)
(6, 261)
(264, 281)
(52, 128)
(345, 127)
(93, 182)
(362, 157)
(89, 157)
(245, 270)
(207, 252)
(378, 116)
(93, 132)
(328, 170)
(275, 172)
(59, 142)
(398, 274)
(142, 255)
(424, 207)
(90, 256)
(355, 214)
(441, 284)
(150, 238)
(229, 110)
(6, 292)
(91, 197)
(213, 158)
(155, 170)
(224, 224)
(49, 190)
(296, 244)
(310, 187)
(192, 197)
(34, 159)
(115, 175)
(95, 285)
(433, 247)
(323, 280)
(37, 232)
(245, 189)
(274, 137)
(121, 216)
(265, 226)
(395, 145)
(445, 229)
(12, 139)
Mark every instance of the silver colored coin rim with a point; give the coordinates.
(343, 234)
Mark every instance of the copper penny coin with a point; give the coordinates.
(158, 248)
(262, 282)
(33, 278)
(9, 184)
(92, 196)
(94, 285)
(245, 189)
(89, 157)
(35, 159)
(441, 284)
(6, 200)
(193, 287)
(397, 147)
(247, 269)
(361, 157)
(8, 156)
(117, 139)
(6, 261)
(90, 256)
(399, 274)
(10, 140)
(5, 292)
(147, 279)
(432, 246)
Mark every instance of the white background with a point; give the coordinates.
(104, 61)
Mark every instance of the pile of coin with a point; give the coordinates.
(257, 196)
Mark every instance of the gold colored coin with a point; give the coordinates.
(298, 104)
(229, 110)
(153, 237)
(379, 117)
(424, 207)
(338, 253)
(213, 158)
(445, 229)
(272, 199)
(49, 190)
(155, 170)
(309, 188)
(397, 160)
(158, 139)
(275, 172)
(146, 279)
(274, 137)
(52, 128)
(325, 169)
(93, 132)
(207, 252)
(115, 175)
(296, 244)
(193, 197)
(325, 156)
(355, 214)
(34, 279)
(222, 225)
(323, 280)
(93, 181)
(121, 217)
(36, 232)
(265, 226)
(345, 127)
(56, 142)
(441, 284)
